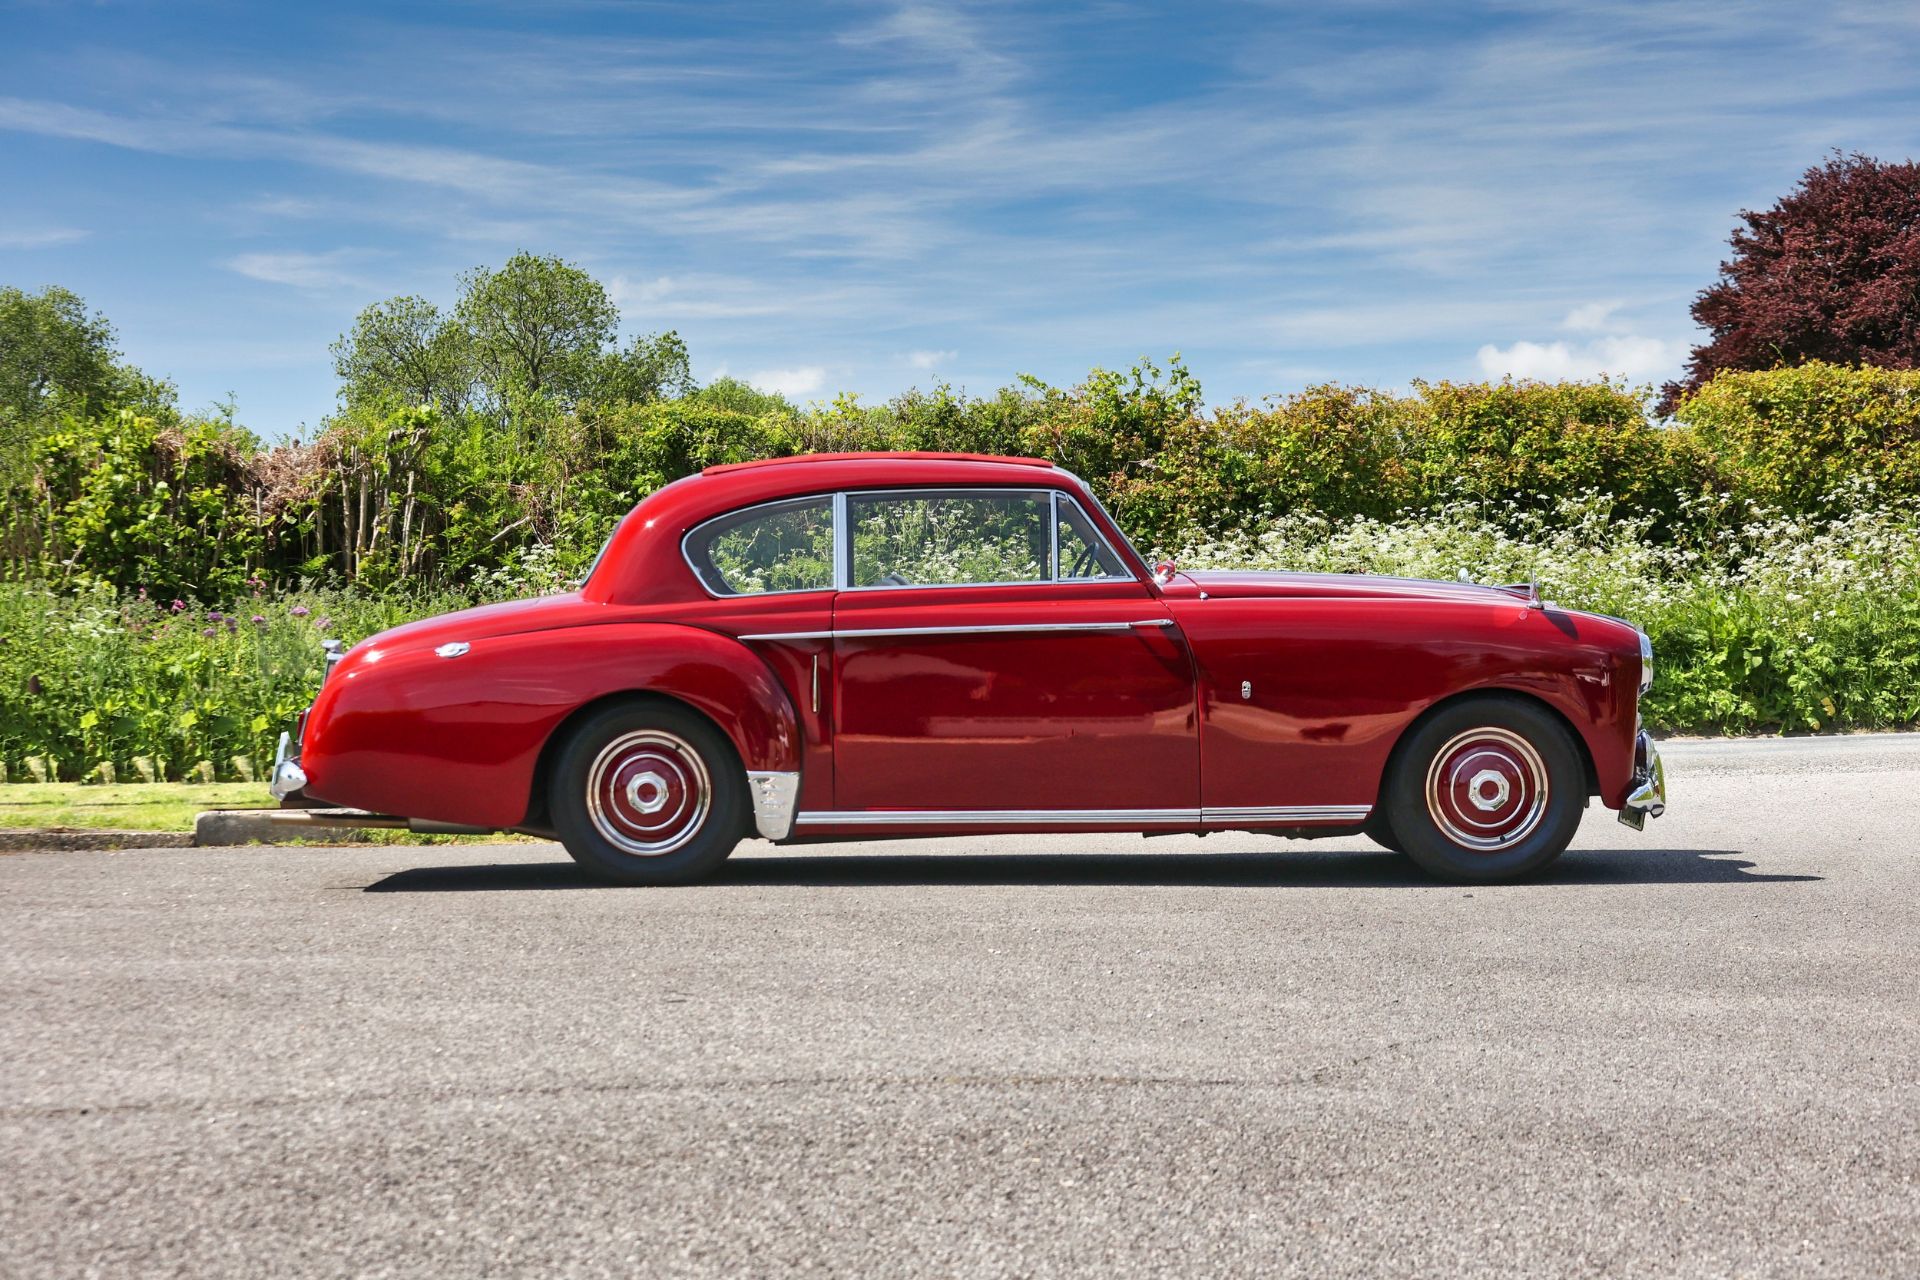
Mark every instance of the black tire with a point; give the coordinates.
(648, 793)
(1486, 790)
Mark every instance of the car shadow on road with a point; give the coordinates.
(1342, 870)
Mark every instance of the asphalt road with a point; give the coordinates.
(1689, 1052)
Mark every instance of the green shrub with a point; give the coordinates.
(146, 684)
(1791, 438)
(1523, 449)
(126, 499)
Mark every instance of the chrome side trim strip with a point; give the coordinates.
(991, 817)
(1011, 628)
(774, 796)
(1290, 813)
(1083, 817)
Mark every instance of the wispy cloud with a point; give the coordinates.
(930, 359)
(1593, 317)
(317, 271)
(790, 382)
(40, 237)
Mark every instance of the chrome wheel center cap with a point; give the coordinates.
(1488, 790)
(647, 792)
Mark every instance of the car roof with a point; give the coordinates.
(642, 560)
(800, 459)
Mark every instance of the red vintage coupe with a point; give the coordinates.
(855, 646)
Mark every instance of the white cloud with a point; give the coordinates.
(1631, 356)
(299, 270)
(1593, 317)
(790, 382)
(931, 359)
(45, 238)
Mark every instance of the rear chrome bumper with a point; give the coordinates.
(1647, 795)
(288, 776)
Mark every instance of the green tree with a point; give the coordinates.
(732, 393)
(52, 352)
(404, 352)
(539, 327)
(653, 367)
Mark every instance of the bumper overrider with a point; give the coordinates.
(289, 779)
(1647, 793)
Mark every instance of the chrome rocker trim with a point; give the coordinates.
(1647, 797)
(1264, 815)
(774, 797)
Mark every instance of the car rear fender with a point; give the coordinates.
(460, 738)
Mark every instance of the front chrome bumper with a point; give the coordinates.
(1647, 795)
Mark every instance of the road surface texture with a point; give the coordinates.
(1688, 1052)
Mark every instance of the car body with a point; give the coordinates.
(817, 614)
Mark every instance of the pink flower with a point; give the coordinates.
(321, 624)
(299, 611)
(259, 621)
(210, 632)
(179, 606)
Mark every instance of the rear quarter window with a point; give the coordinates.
(781, 546)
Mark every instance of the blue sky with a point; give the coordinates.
(867, 197)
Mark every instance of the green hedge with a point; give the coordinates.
(420, 499)
(1773, 623)
(1804, 439)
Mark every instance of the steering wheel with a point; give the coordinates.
(1081, 560)
(894, 579)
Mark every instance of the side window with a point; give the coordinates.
(1084, 553)
(783, 546)
(933, 538)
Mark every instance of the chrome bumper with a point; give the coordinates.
(288, 776)
(1647, 796)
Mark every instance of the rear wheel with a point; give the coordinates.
(1489, 789)
(648, 794)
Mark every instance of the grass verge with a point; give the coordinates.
(142, 806)
(171, 806)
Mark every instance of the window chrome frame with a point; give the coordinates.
(842, 552)
(1052, 579)
(835, 509)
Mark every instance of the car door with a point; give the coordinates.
(996, 663)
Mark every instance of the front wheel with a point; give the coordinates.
(648, 794)
(1489, 789)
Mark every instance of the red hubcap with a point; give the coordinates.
(648, 792)
(1487, 789)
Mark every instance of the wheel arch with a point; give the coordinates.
(539, 811)
(1492, 693)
